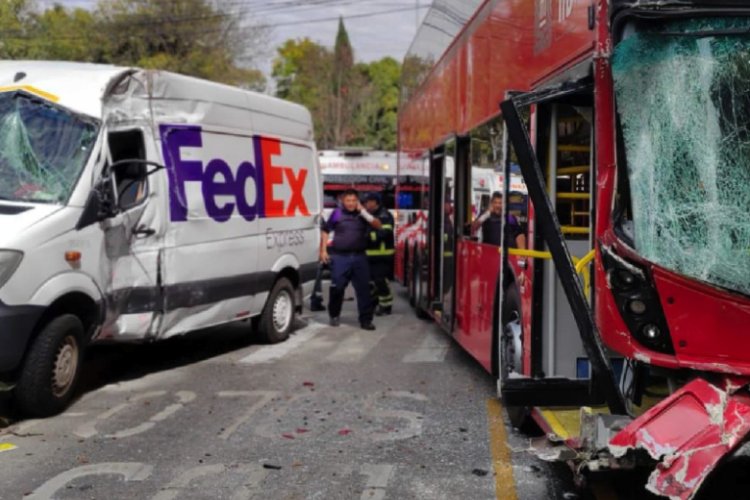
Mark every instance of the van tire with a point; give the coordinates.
(277, 319)
(50, 372)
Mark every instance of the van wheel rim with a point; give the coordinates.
(282, 311)
(65, 367)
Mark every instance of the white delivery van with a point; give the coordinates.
(137, 205)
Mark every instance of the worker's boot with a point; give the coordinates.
(383, 311)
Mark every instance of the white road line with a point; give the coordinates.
(379, 476)
(359, 343)
(129, 471)
(432, 349)
(355, 347)
(270, 354)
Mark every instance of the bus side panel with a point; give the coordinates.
(478, 272)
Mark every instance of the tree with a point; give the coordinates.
(203, 38)
(302, 71)
(194, 37)
(351, 104)
(343, 85)
(381, 112)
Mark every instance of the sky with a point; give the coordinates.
(372, 36)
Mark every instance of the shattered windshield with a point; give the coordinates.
(43, 149)
(683, 96)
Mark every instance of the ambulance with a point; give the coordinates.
(137, 205)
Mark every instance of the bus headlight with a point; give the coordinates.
(9, 261)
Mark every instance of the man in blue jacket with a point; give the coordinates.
(347, 258)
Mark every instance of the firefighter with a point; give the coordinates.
(380, 251)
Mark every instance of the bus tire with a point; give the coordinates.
(418, 286)
(277, 319)
(50, 371)
(510, 345)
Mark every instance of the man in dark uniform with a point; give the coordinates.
(492, 225)
(380, 251)
(347, 258)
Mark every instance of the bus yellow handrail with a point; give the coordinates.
(580, 264)
(585, 260)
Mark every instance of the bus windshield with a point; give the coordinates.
(683, 97)
(43, 149)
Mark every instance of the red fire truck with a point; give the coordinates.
(623, 326)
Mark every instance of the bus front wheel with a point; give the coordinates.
(511, 351)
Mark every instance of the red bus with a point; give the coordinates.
(629, 121)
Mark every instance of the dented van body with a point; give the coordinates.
(138, 205)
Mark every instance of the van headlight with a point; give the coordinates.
(9, 261)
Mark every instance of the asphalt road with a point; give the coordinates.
(333, 413)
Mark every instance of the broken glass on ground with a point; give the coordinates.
(683, 96)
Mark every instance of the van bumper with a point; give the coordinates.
(16, 326)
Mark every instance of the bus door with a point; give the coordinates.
(569, 365)
(447, 215)
(567, 129)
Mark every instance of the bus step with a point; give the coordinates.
(548, 392)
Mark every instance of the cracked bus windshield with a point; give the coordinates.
(42, 149)
(683, 96)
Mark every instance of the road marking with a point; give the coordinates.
(505, 484)
(413, 427)
(130, 471)
(88, 429)
(264, 398)
(7, 447)
(433, 349)
(270, 354)
(379, 476)
(252, 476)
(356, 346)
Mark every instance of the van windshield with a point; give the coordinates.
(683, 98)
(43, 149)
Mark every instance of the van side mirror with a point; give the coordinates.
(99, 205)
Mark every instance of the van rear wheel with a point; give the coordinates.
(50, 372)
(277, 319)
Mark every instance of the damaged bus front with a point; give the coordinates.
(675, 253)
(130, 211)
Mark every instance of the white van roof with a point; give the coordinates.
(83, 87)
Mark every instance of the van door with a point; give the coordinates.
(289, 234)
(210, 258)
(131, 242)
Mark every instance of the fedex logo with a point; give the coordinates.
(224, 186)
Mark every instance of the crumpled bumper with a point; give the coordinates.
(688, 433)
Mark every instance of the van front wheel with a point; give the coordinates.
(277, 319)
(50, 371)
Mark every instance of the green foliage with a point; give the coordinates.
(352, 104)
(201, 38)
(303, 72)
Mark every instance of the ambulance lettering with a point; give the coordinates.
(224, 188)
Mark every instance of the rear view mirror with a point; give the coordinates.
(98, 206)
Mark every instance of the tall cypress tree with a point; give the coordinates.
(343, 63)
